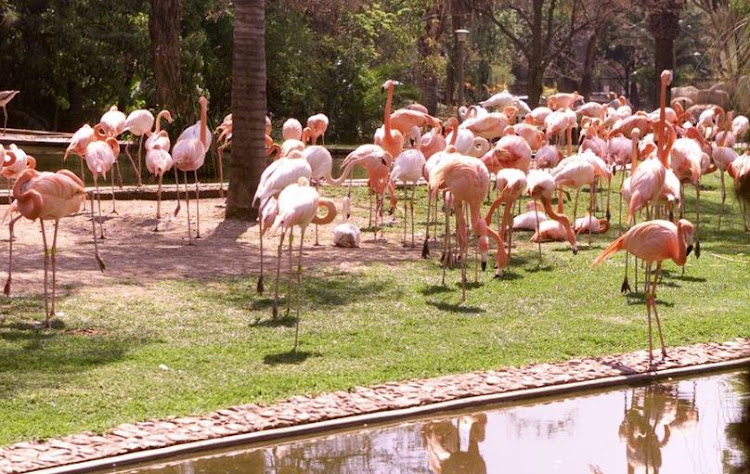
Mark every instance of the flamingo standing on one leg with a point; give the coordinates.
(653, 242)
(138, 123)
(298, 204)
(47, 196)
(188, 154)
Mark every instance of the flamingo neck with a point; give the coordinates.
(159, 118)
(387, 111)
(203, 121)
(562, 219)
(681, 246)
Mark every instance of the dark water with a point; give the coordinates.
(690, 426)
(51, 159)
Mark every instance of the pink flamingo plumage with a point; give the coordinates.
(297, 206)
(47, 196)
(100, 156)
(510, 184)
(188, 154)
(16, 163)
(390, 139)
(78, 143)
(318, 125)
(467, 179)
(653, 242)
(139, 122)
(541, 186)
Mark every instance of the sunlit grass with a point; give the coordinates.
(183, 347)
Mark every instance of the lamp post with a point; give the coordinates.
(460, 40)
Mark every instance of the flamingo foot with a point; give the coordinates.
(259, 287)
(625, 288)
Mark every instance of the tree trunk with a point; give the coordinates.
(164, 30)
(534, 90)
(589, 61)
(248, 108)
(663, 59)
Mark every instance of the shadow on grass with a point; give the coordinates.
(291, 357)
(434, 290)
(540, 268)
(640, 299)
(509, 275)
(455, 307)
(287, 321)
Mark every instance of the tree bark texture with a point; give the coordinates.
(164, 30)
(248, 108)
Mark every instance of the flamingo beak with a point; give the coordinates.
(688, 250)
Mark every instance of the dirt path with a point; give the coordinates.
(133, 252)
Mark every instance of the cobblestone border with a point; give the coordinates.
(301, 410)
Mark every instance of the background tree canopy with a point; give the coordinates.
(72, 59)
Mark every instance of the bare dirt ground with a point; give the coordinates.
(134, 253)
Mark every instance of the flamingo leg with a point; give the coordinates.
(140, 163)
(697, 220)
(463, 245)
(197, 206)
(426, 245)
(723, 198)
(446, 244)
(99, 206)
(575, 205)
(299, 287)
(132, 162)
(5, 123)
(96, 243)
(289, 281)
(411, 210)
(506, 228)
(406, 213)
(649, 303)
(259, 286)
(114, 210)
(46, 273)
(10, 194)
(119, 172)
(12, 223)
(539, 241)
(656, 314)
(53, 256)
(275, 307)
(177, 188)
(158, 203)
(187, 201)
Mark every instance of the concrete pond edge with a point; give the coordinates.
(130, 444)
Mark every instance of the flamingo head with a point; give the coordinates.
(390, 84)
(9, 158)
(666, 77)
(685, 227)
(203, 101)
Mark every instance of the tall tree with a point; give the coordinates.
(540, 30)
(663, 22)
(164, 30)
(248, 108)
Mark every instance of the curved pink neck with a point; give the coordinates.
(203, 121)
(387, 111)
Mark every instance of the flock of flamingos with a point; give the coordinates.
(529, 153)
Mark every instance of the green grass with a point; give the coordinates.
(188, 347)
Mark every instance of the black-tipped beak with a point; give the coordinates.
(575, 251)
(484, 266)
(688, 250)
(412, 141)
(614, 171)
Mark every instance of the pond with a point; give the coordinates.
(698, 425)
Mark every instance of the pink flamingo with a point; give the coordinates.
(548, 156)
(47, 196)
(541, 185)
(78, 143)
(138, 123)
(491, 125)
(298, 204)
(5, 97)
(739, 170)
(188, 154)
(318, 125)
(468, 181)
(407, 167)
(404, 119)
(653, 242)
(533, 136)
(100, 157)
(158, 162)
(563, 100)
(292, 129)
(17, 162)
(511, 185)
(390, 139)
(277, 176)
(159, 138)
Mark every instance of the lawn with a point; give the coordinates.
(185, 346)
